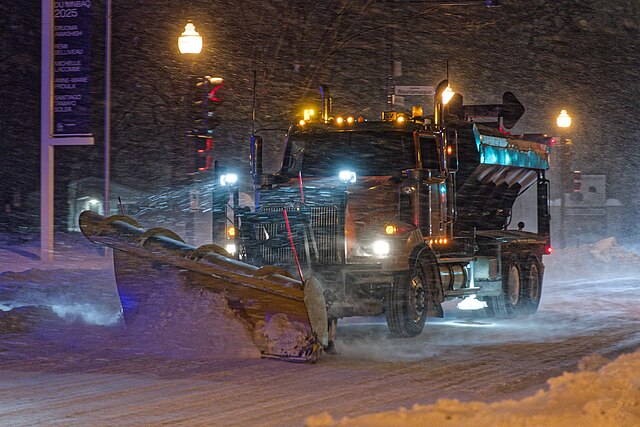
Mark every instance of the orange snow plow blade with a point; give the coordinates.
(288, 319)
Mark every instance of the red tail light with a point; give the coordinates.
(548, 250)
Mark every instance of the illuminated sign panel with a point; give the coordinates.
(71, 67)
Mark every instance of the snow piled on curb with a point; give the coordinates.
(609, 396)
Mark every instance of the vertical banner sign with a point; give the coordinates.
(71, 67)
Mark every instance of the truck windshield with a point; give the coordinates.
(366, 153)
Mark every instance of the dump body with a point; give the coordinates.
(493, 170)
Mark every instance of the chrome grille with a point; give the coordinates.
(323, 235)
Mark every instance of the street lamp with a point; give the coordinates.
(564, 119)
(190, 45)
(564, 122)
(447, 95)
(190, 42)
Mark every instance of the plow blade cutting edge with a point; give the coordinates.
(288, 319)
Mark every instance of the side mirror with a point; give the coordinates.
(442, 145)
(452, 150)
(256, 159)
(447, 141)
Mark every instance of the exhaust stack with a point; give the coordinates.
(438, 105)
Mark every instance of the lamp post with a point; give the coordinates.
(190, 45)
(564, 122)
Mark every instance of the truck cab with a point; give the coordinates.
(395, 216)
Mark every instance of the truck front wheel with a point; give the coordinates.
(406, 300)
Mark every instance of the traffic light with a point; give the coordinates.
(203, 121)
(202, 154)
(577, 181)
(203, 107)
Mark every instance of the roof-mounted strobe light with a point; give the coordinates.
(308, 114)
(347, 176)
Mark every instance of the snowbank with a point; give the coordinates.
(608, 396)
(71, 306)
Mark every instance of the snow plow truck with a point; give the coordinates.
(387, 217)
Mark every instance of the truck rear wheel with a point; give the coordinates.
(532, 290)
(509, 303)
(406, 300)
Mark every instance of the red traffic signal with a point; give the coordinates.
(577, 181)
(202, 154)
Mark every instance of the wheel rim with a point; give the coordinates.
(513, 285)
(417, 299)
(534, 283)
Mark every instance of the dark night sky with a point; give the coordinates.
(577, 55)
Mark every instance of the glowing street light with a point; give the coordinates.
(564, 119)
(447, 95)
(190, 41)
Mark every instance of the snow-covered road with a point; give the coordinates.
(74, 374)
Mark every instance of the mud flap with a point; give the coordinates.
(285, 318)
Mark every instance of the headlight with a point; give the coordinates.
(231, 248)
(347, 176)
(381, 248)
(228, 179)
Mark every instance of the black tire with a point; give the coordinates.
(407, 298)
(532, 289)
(509, 303)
